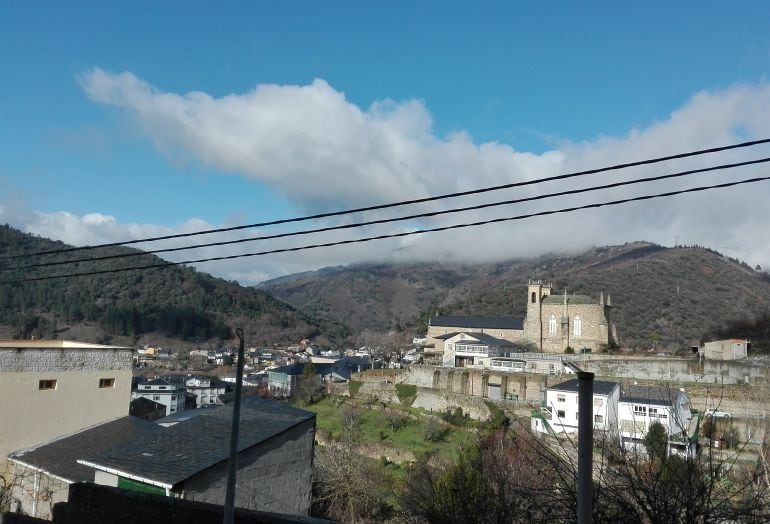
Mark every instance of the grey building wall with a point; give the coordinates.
(272, 476)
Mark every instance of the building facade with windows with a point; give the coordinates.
(554, 322)
(162, 392)
(642, 406)
(562, 406)
(50, 388)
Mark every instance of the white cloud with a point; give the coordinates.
(323, 152)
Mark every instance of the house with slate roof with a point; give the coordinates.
(471, 349)
(163, 392)
(186, 459)
(561, 407)
(641, 406)
(553, 323)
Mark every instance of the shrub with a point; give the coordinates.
(435, 431)
(570, 350)
(456, 417)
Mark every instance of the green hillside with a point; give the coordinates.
(670, 297)
(175, 302)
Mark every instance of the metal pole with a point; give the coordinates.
(232, 464)
(585, 447)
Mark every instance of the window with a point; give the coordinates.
(561, 398)
(106, 382)
(640, 411)
(156, 397)
(598, 402)
(163, 387)
(47, 384)
(534, 297)
(577, 415)
(599, 419)
(552, 325)
(560, 414)
(577, 328)
(658, 414)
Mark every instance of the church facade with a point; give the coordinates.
(553, 323)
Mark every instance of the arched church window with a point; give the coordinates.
(534, 297)
(577, 329)
(552, 325)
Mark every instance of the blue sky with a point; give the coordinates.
(537, 78)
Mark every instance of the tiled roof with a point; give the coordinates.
(601, 387)
(297, 369)
(184, 449)
(484, 339)
(60, 456)
(471, 322)
(167, 455)
(659, 396)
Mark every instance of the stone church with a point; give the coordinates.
(553, 323)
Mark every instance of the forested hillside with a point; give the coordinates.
(176, 302)
(669, 297)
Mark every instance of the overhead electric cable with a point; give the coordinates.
(406, 202)
(395, 235)
(426, 214)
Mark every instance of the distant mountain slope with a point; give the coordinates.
(171, 303)
(665, 296)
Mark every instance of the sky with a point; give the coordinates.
(121, 121)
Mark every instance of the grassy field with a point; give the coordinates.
(393, 427)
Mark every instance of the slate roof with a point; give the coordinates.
(158, 382)
(191, 446)
(469, 322)
(167, 455)
(60, 456)
(297, 369)
(481, 337)
(142, 405)
(601, 387)
(651, 395)
(571, 299)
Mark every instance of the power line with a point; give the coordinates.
(396, 235)
(396, 219)
(407, 202)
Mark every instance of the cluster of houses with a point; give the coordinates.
(65, 409)
(625, 414)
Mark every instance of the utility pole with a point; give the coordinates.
(232, 463)
(585, 487)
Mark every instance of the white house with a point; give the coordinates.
(641, 406)
(162, 392)
(562, 406)
(471, 349)
(206, 392)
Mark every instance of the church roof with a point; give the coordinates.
(571, 299)
(472, 322)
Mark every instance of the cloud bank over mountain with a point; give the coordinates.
(323, 153)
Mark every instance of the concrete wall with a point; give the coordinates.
(32, 416)
(272, 476)
(528, 387)
(34, 492)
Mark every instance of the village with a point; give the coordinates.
(155, 420)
